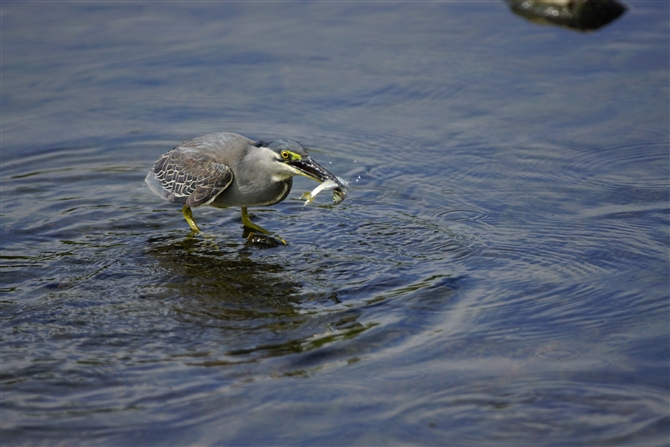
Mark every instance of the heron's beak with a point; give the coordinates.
(310, 168)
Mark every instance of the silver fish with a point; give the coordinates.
(339, 194)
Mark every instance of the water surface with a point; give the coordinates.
(498, 274)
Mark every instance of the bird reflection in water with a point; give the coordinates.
(259, 308)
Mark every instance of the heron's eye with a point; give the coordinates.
(285, 155)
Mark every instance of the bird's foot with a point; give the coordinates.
(249, 225)
(258, 235)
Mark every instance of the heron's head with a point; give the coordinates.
(294, 160)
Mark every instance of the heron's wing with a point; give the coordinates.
(189, 177)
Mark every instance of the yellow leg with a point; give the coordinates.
(252, 237)
(249, 224)
(188, 215)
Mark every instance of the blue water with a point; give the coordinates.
(498, 274)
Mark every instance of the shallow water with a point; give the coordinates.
(498, 274)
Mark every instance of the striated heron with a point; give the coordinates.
(227, 169)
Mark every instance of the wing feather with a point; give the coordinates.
(190, 177)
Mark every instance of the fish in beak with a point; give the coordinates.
(309, 168)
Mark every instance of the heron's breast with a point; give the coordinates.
(254, 193)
